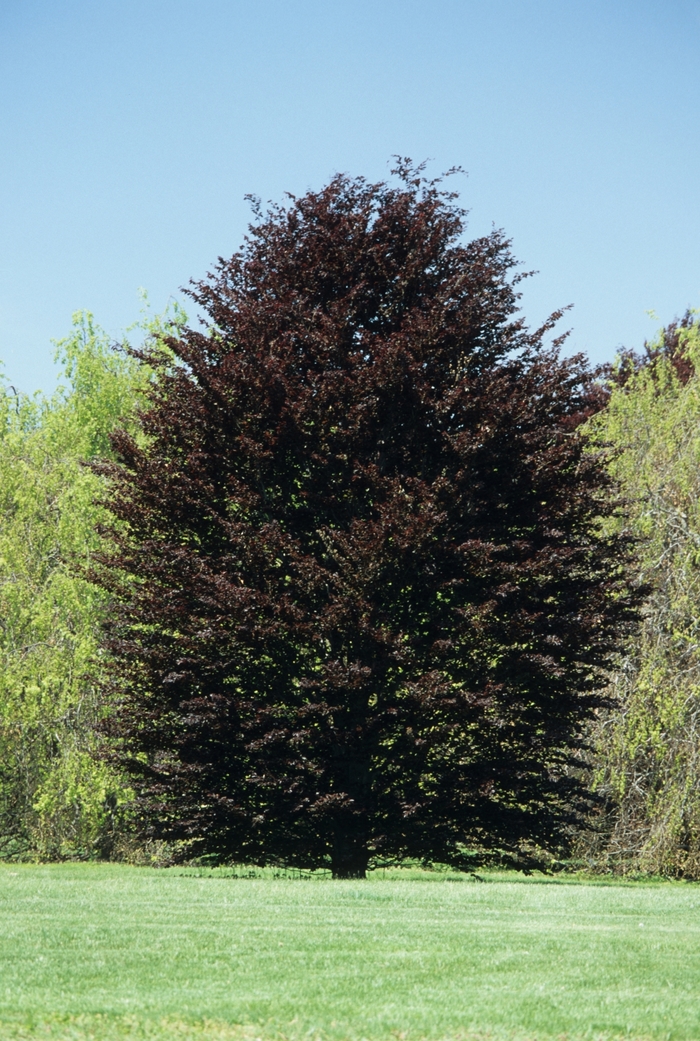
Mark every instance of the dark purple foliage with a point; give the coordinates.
(362, 606)
(669, 345)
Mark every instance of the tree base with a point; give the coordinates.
(349, 871)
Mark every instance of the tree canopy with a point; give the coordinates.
(649, 744)
(57, 798)
(52, 792)
(362, 603)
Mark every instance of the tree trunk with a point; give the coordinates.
(350, 854)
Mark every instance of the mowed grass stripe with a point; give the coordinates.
(127, 948)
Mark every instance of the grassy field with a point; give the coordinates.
(104, 951)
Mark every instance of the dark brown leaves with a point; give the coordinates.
(363, 607)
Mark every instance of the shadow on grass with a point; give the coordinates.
(437, 873)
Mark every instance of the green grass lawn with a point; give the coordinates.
(105, 951)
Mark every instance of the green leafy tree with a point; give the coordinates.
(56, 798)
(649, 746)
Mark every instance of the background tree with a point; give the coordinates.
(362, 605)
(649, 745)
(56, 798)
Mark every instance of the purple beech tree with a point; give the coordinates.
(363, 606)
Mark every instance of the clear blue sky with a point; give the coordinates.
(131, 130)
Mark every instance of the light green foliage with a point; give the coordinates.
(106, 951)
(650, 746)
(56, 799)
